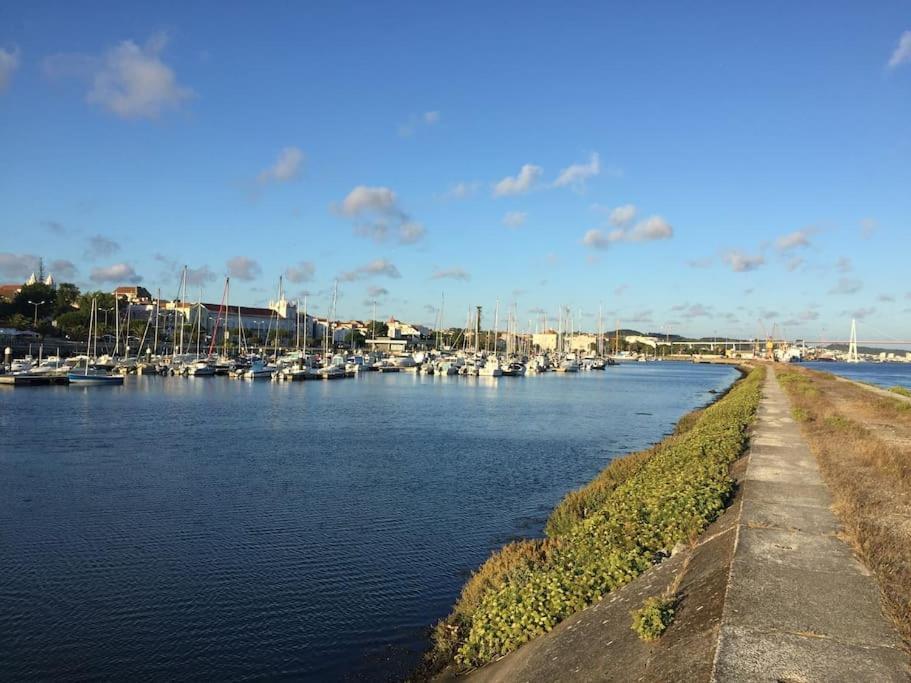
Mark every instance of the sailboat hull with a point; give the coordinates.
(94, 380)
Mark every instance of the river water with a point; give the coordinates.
(882, 374)
(206, 528)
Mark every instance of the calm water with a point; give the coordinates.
(212, 529)
(883, 374)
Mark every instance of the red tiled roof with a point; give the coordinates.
(9, 291)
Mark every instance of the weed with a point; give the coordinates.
(652, 619)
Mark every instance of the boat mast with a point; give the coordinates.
(198, 322)
(305, 326)
(224, 335)
(297, 320)
(183, 283)
(157, 311)
(116, 325)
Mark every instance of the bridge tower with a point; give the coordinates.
(852, 344)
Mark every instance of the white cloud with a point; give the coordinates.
(902, 53)
(243, 268)
(411, 232)
(377, 214)
(653, 228)
(794, 263)
(285, 168)
(198, 276)
(700, 262)
(577, 174)
(9, 62)
(463, 190)
(55, 227)
(375, 267)
(528, 176)
(18, 266)
(886, 298)
(428, 118)
(843, 265)
(302, 272)
(515, 219)
(696, 311)
(867, 228)
(119, 272)
(101, 246)
(649, 230)
(846, 286)
(363, 199)
(450, 274)
(622, 216)
(595, 239)
(62, 269)
(798, 238)
(741, 262)
(377, 292)
(129, 80)
(860, 313)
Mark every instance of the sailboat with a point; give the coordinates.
(93, 376)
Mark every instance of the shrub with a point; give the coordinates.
(901, 391)
(652, 619)
(800, 415)
(604, 535)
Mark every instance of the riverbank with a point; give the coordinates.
(768, 592)
(603, 536)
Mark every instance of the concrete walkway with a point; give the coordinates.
(799, 606)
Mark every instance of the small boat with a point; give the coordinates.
(259, 370)
(491, 368)
(200, 369)
(92, 375)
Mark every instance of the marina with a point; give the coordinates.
(220, 526)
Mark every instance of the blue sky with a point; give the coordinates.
(696, 169)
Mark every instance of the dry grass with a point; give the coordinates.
(860, 441)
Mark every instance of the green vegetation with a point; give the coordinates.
(652, 619)
(800, 415)
(901, 391)
(602, 536)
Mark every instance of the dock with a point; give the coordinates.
(33, 380)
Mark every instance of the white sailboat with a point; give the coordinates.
(90, 375)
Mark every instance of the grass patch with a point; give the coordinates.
(901, 391)
(800, 415)
(602, 536)
(652, 619)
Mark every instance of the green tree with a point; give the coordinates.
(38, 292)
(354, 338)
(377, 328)
(19, 321)
(67, 295)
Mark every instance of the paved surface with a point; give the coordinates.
(799, 605)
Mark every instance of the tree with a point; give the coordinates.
(354, 338)
(377, 328)
(67, 295)
(37, 292)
